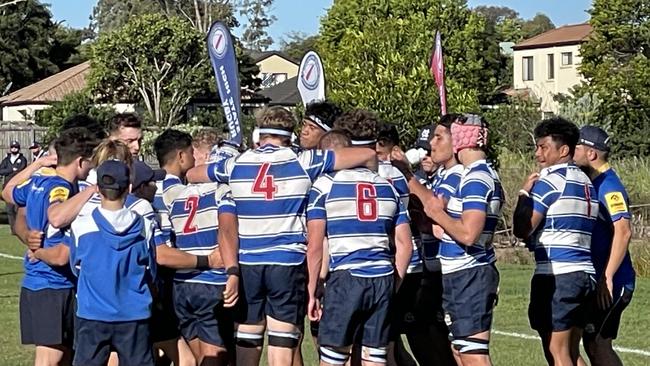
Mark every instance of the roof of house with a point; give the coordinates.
(562, 36)
(284, 94)
(50, 89)
(258, 56)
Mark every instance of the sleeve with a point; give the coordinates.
(448, 185)
(316, 206)
(5, 167)
(58, 193)
(151, 251)
(20, 193)
(74, 263)
(317, 162)
(401, 214)
(476, 192)
(219, 172)
(162, 218)
(401, 186)
(226, 204)
(615, 201)
(544, 193)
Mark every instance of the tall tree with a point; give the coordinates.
(257, 13)
(296, 44)
(32, 46)
(616, 64)
(538, 25)
(376, 56)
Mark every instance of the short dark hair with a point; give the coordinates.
(85, 121)
(123, 120)
(113, 194)
(334, 139)
(169, 142)
(387, 134)
(359, 124)
(326, 111)
(448, 119)
(73, 143)
(561, 131)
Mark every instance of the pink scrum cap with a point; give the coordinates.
(468, 131)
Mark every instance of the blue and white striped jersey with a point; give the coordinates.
(445, 182)
(194, 215)
(479, 189)
(361, 209)
(270, 186)
(160, 209)
(569, 203)
(398, 180)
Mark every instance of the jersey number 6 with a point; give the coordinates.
(366, 202)
(264, 183)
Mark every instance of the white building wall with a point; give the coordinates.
(566, 76)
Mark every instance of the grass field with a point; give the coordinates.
(510, 317)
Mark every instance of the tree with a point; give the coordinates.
(158, 60)
(33, 47)
(296, 44)
(376, 57)
(616, 64)
(74, 103)
(538, 25)
(255, 36)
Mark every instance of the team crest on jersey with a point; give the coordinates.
(615, 203)
(59, 194)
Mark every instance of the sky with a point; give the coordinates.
(304, 15)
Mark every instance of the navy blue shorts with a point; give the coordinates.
(275, 291)
(200, 312)
(469, 297)
(417, 304)
(95, 341)
(605, 323)
(356, 309)
(559, 302)
(164, 323)
(47, 317)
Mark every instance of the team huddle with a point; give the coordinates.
(221, 250)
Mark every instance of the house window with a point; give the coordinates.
(567, 58)
(527, 68)
(551, 66)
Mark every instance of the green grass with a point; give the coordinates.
(510, 316)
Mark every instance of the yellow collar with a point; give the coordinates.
(603, 168)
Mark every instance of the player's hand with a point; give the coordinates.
(231, 293)
(435, 205)
(31, 256)
(530, 182)
(34, 240)
(604, 293)
(215, 260)
(399, 161)
(46, 161)
(438, 231)
(313, 309)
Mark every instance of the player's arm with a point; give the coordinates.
(213, 172)
(229, 253)
(58, 255)
(23, 175)
(403, 250)
(32, 238)
(174, 258)
(62, 214)
(532, 204)
(466, 230)
(315, 238)
(620, 245)
(352, 157)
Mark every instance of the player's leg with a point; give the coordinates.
(375, 338)
(471, 318)
(343, 306)
(285, 311)
(113, 359)
(249, 331)
(214, 324)
(132, 341)
(602, 328)
(403, 319)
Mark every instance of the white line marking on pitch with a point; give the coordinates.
(617, 348)
(10, 256)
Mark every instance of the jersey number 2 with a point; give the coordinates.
(264, 183)
(191, 204)
(366, 202)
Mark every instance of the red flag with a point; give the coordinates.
(438, 72)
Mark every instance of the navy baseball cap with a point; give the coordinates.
(113, 174)
(424, 138)
(142, 174)
(34, 145)
(595, 137)
(14, 143)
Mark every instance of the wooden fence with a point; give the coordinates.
(23, 132)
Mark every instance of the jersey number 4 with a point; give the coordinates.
(264, 183)
(366, 202)
(191, 205)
